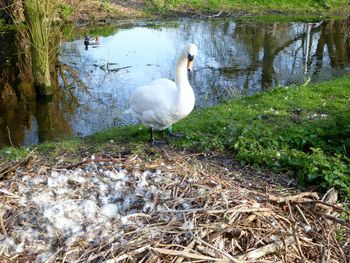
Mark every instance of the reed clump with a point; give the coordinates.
(39, 16)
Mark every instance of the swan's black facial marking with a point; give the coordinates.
(190, 57)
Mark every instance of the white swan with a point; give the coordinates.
(163, 102)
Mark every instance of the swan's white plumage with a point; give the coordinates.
(164, 102)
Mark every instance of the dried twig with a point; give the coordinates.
(128, 255)
(189, 255)
(293, 198)
(268, 249)
(14, 167)
(2, 226)
(191, 211)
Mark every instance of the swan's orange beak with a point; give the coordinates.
(189, 65)
(190, 59)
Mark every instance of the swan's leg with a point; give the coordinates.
(152, 135)
(173, 135)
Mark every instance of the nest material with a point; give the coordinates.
(174, 209)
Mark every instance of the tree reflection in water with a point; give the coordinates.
(236, 58)
(265, 55)
(24, 118)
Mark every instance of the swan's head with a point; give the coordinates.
(190, 51)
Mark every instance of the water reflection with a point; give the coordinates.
(24, 119)
(235, 58)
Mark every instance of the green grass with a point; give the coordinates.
(274, 18)
(300, 130)
(11, 153)
(6, 27)
(65, 10)
(254, 6)
(73, 149)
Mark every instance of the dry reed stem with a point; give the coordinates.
(209, 217)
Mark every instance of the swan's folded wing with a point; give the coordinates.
(154, 104)
(159, 95)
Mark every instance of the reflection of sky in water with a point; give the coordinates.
(231, 59)
(146, 53)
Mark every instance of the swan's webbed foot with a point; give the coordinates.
(172, 134)
(159, 143)
(153, 142)
(176, 135)
(152, 136)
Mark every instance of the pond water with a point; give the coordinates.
(93, 83)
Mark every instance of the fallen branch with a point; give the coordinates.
(293, 198)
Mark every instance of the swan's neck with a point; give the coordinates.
(181, 78)
(185, 95)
